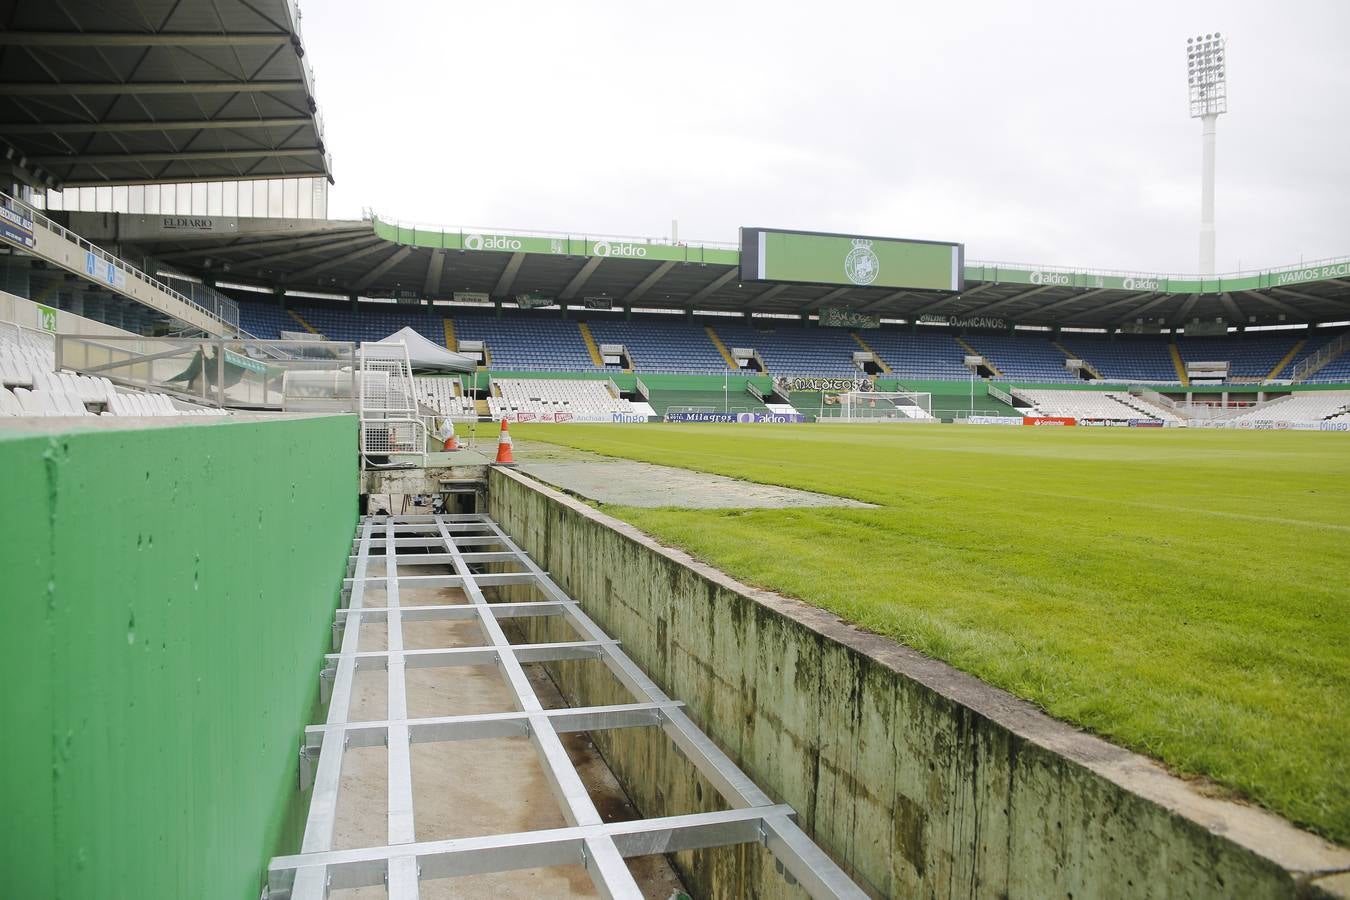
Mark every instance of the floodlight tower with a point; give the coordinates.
(1206, 64)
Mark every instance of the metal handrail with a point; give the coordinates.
(560, 235)
(132, 271)
(1324, 355)
(1239, 273)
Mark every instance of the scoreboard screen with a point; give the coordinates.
(846, 260)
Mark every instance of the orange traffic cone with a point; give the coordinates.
(447, 435)
(504, 447)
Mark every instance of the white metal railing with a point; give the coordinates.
(1124, 273)
(999, 394)
(551, 235)
(1326, 354)
(220, 308)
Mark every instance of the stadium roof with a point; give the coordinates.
(97, 93)
(377, 259)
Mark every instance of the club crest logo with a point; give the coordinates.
(861, 266)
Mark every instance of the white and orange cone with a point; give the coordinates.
(504, 457)
(447, 435)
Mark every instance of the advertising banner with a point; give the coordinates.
(1146, 423)
(99, 269)
(787, 383)
(840, 317)
(701, 417)
(810, 257)
(777, 418)
(992, 420)
(1104, 423)
(1049, 420)
(16, 225)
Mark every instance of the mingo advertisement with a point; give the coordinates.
(850, 260)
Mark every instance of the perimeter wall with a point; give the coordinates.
(168, 591)
(920, 780)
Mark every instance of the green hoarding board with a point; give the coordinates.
(850, 260)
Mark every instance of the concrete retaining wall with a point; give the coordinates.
(920, 780)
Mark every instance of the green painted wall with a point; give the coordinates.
(167, 594)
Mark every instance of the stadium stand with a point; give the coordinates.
(31, 386)
(581, 398)
(794, 350)
(1309, 406)
(923, 354)
(657, 344)
(521, 342)
(1111, 406)
(1125, 358)
(445, 396)
(1023, 358)
(1250, 357)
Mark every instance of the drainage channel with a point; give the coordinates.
(457, 549)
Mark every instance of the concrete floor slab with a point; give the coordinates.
(622, 482)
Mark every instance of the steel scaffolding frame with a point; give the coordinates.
(599, 846)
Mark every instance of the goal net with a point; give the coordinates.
(886, 406)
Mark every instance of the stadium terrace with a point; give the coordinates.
(356, 557)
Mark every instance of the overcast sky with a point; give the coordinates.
(1035, 132)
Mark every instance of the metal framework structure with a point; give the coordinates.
(464, 544)
(387, 405)
(158, 91)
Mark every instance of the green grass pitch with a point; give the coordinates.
(1183, 593)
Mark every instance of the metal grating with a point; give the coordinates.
(390, 423)
(463, 544)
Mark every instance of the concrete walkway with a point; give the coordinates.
(622, 482)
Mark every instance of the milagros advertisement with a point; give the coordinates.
(735, 418)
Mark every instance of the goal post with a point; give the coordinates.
(886, 406)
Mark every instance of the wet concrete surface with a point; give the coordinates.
(477, 787)
(623, 482)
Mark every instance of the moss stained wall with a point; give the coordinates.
(167, 594)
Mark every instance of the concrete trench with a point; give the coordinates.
(474, 787)
(917, 779)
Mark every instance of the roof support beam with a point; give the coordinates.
(141, 125)
(766, 295)
(1065, 301)
(1180, 317)
(578, 281)
(646, 284)
(185, 156)
(431, 285)
(508, 277)
(715, 285)
(394, 259)
(1227, 300)
(989, 307)
(826, 298)
(92, 88)
(883, 301)
(1142, 308)
(334, 261)
(943, 301)
(268, 244)
(140, 39)
(1273, 303)
(1310, 297)
(329, 247)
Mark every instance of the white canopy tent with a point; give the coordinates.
(427, 355)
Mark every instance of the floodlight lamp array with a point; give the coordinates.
(1206, 74)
